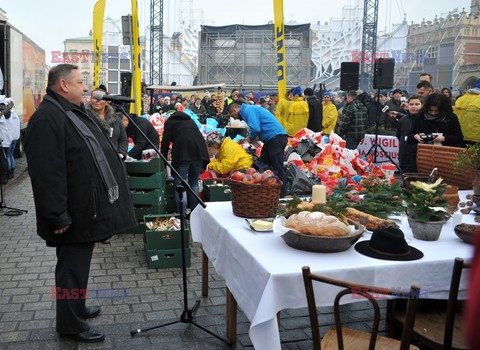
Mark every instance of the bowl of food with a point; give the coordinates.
(467, 232)
(317, 232)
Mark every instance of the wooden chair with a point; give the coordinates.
(347, 338)
(436, 327)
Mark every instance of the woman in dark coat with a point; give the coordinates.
(112, 124)
(437, 123)
(189, 150)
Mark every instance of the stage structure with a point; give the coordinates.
(244, 56)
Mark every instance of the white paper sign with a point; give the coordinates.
(388, 143)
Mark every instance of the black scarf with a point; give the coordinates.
(95, 149)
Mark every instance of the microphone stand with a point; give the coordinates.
(376, 145)
(187, 314)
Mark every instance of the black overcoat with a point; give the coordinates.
(67, 187)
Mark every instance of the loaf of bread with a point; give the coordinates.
(369, 221)
(317, 224)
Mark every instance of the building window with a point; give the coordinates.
(86, 80)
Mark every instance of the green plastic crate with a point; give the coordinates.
(150, 182)
(154, 165)
(216, 193)
(141, 211)
(168, 239)
(153, 197)
(167, 258)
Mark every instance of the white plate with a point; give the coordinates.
(250, 226)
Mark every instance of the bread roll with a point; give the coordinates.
(317, 224)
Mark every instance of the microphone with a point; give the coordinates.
(114, 98)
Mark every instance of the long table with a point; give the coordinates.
(264, 274)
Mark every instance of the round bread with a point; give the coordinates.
(317, 224)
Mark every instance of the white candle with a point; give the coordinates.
(319, 194)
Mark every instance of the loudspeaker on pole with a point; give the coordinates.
(349, 75)
(383, 73)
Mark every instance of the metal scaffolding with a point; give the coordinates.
(245, 56)
(156, 41)
(369, 43)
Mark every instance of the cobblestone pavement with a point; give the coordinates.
(27, 311)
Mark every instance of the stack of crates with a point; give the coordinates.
(147, 188)
(164, 248)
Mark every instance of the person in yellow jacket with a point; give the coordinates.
(298, 114)
(330, 114)
(467, 109)
(230, 156)
(283, 108)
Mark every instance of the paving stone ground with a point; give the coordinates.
(27, 311)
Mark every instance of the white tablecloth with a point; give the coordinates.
(264, 274)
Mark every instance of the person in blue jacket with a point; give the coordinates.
(264, 126)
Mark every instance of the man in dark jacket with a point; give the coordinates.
(140, 143)
(354, 120)
(315, 111)
(189, 150)
(80, 191)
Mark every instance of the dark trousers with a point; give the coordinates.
(71, 273)
(352, 143)
(272, 154)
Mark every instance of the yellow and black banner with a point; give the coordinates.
(278, 31)
(98, 13)
(137, 72)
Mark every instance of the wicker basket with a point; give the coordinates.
(255, 200)
(442, 158)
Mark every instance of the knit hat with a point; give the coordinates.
(308, 92)
(327, 93)
(297, 91)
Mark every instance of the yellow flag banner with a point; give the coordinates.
(278, 31)
(137, 73)
(98, 13)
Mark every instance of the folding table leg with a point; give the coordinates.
(204, 274)
(231, 317)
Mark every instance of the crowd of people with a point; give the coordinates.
(75, 153)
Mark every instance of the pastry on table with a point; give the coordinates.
(317, 224)
(369, 221)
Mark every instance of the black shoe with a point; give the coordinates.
(92, 311)
(90, 336)
(11, 175)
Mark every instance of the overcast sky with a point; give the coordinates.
(49, 22)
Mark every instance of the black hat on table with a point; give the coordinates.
(388, 244)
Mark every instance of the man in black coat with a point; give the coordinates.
(140, 143)
(315, 111)
(80, 191)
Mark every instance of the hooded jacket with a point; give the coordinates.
(467, 108)
(330, 116)
(67, 187)
(188, 143)
(297, 117)
(231, 156)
